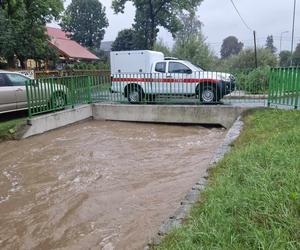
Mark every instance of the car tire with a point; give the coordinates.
(135, 95)
(209, 95)
(58, 101)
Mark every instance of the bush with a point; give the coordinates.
(245, 61)
(254, 82)
(3, 65)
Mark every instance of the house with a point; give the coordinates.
(68, 49)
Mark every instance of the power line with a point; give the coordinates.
(243, 20)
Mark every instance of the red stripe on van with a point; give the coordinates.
(165, 80)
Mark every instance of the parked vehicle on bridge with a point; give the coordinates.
(13, 96)
(137, 74)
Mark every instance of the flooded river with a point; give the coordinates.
(98, 185)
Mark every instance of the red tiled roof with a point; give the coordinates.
(67, 46)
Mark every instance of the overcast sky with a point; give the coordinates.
(267, 17)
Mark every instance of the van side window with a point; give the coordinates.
(160, 67)
(175, 67)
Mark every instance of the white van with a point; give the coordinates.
(141, 73)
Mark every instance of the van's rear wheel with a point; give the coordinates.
(135, 95)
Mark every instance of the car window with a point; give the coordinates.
(3, 83)
(17, 80)
(175, 67)
(160, 67)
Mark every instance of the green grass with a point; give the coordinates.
(253, 197)
(8, 129)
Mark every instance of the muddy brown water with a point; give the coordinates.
(98, 185)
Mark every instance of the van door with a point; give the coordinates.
(7, 95)
(18, 82)
(181, 78)
(159, 78)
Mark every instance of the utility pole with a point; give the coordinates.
(281, 34)
(293, 33)
(255, 48)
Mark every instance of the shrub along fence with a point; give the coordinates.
(52, 94)
(70, 72)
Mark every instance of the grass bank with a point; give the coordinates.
(253, 197)
(8, 129)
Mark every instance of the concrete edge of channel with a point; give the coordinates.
(194, 194)
(223, 115)
(44, 123)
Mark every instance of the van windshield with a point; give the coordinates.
(193, 67)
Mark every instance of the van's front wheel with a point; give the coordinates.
(208, 95)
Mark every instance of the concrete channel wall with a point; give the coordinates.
(178, 114)
(43, 123)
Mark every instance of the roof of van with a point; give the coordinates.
(137, 51)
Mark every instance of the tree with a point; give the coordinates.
(162, 47)
(150, 14)
(285, 57)
(190, 42)
(22, 28)
(231, 46)
(296, 56)
(245, 60)
(126, 40)
(190, 26)
(270, 44)
(86, 21)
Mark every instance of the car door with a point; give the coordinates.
(180, 76)
(159, 78)
(7, 95)
(18, 82)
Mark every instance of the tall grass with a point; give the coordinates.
(8, 129)
(253, 197)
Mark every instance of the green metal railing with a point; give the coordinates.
(53, 94)
(284, 87)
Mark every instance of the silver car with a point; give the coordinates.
(13, 92)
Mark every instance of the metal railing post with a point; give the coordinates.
(297, 87)
(270, 80)
(72, 89)
(90, 89)
(27, 83)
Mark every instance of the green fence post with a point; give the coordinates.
(28, 98)
(270, 87)
(90, 81)
(72, 89)
(297, 87)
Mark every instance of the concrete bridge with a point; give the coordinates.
(223, 115)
